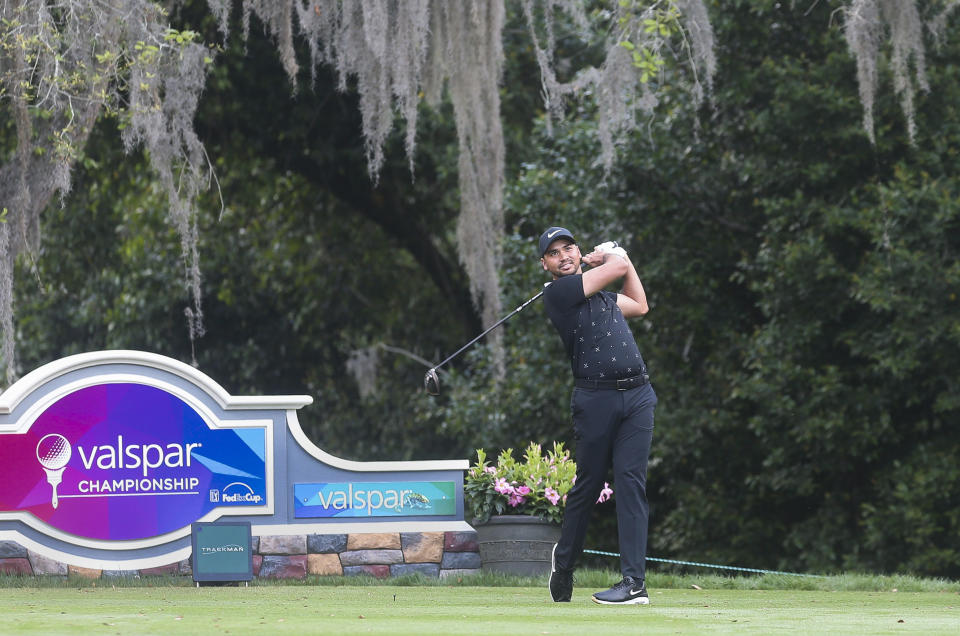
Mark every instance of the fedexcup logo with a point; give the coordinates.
(239, 492)
(53, 453)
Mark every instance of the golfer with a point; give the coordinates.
(612, 405)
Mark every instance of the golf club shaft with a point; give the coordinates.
(488, 330)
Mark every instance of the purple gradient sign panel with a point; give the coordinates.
(126, 461)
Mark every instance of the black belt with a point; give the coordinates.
(620, 385)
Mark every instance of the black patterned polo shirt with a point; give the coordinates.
(594, 331)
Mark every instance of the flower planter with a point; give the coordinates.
(516, 544)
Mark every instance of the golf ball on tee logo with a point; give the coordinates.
(53, 453)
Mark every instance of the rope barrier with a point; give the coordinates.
(707, 565)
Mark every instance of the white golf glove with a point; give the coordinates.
(611, 247)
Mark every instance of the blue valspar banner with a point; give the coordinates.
(375, 499)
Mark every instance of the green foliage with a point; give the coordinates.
(643, 28)
(845, 345)
(107, 273)
(850, 372)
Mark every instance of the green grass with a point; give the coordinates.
(856, 604)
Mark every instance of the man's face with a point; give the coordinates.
(562, 258)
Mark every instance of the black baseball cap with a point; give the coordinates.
(551, 235)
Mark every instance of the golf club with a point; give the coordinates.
(431, 381)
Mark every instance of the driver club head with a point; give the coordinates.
(431, 382)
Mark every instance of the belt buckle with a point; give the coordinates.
(626, 384)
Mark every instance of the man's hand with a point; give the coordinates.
(611, 247)
(601, 252)
(593, 259)
(632, 300)
(604, 270)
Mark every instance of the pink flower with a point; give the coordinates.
(503, 487)
(606, 493)
(523, 490)
(490, 470)
(552, 495)
(515, 500)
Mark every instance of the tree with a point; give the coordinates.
(396, 51)
(57, 81)
(153, 76)
(805, 424)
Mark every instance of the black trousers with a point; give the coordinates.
(615, 428)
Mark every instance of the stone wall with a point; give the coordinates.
(383, 555)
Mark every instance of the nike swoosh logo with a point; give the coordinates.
(632, 592)
(552, 234)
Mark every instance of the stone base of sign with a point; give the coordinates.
(44, 565)
(293, 566)
(422, 547)
(324, 564)
(163, 570)
(16, 565)
(84, 573)
(381, 555)
(293, 544)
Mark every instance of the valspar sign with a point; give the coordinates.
(108, 458)
(123, 461)
(391, 499)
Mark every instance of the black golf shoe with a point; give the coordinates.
(629, 591)
(561, 583)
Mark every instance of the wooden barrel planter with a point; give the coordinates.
(516, 544)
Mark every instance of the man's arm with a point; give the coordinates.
(605, 269)
(632, 299)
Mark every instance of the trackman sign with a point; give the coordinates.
(129, 461)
